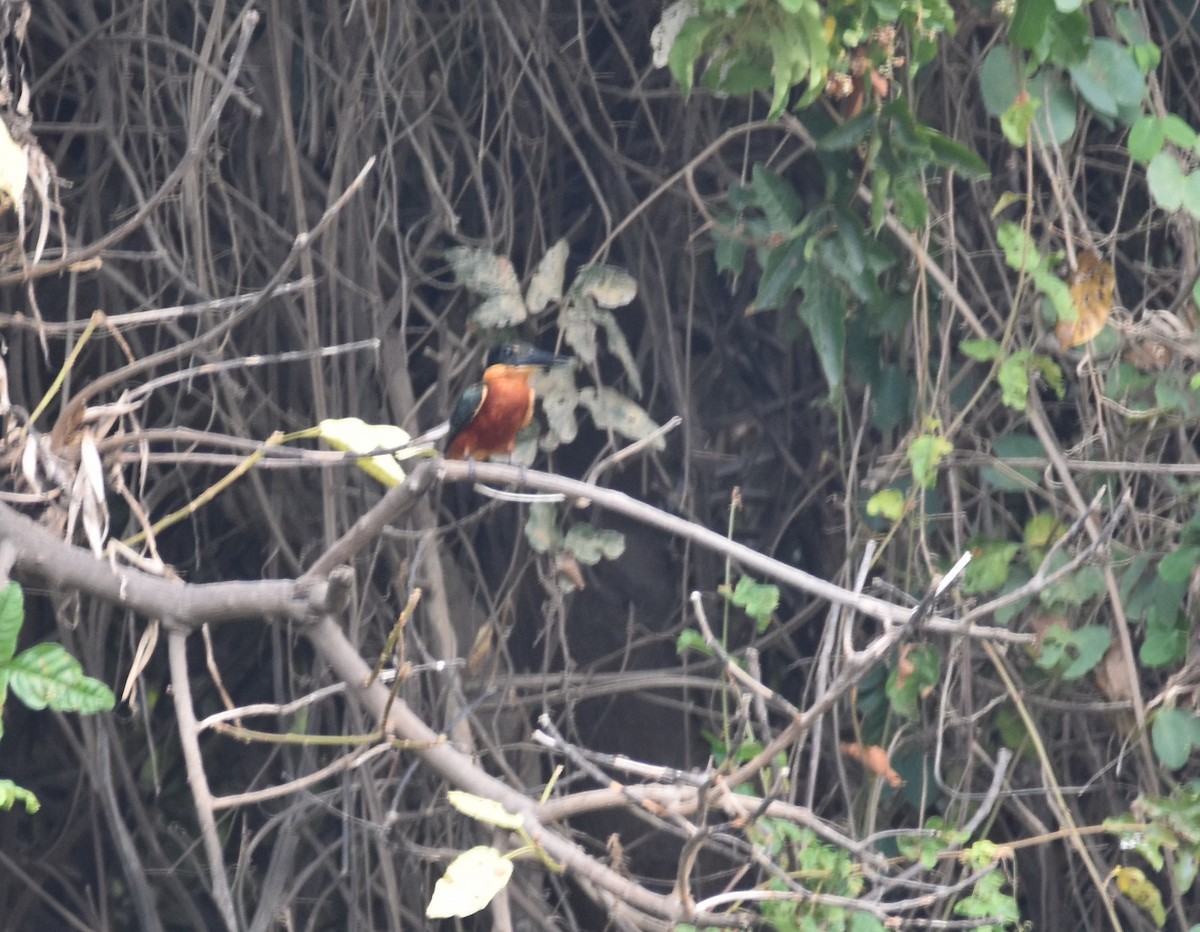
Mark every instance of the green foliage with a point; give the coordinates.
(45, 675)
(925, 453)
(822, 260)
(916, 673)
(928, 847)
(902, 152)
(989, 901)
(1013, 377)
(583, 543)
(758, 600)
(989, 566)
(817, 866)
(1172, 823)
(42, 676)
(1021, 254)
(1014, 446)
(1073, 652)
(1175, 733)
(745, 47)
(11, 794)
(887, 503)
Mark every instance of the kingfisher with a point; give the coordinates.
(491, 413)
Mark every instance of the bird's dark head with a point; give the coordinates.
(516, 354)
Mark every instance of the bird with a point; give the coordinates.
(489, 414)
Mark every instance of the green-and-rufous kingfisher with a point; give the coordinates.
(491, 413)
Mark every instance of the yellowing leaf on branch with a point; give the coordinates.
(353, 435)
(14, 169)
(1091, 286)
(1134, 884)
(469, 884)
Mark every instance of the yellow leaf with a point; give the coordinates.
(1133, 883)
(484, 810)
(14, 168)
(1091, 287)
(469, 884)
(353, 435)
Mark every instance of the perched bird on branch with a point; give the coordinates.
(491, 413)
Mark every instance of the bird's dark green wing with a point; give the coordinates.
(469, 403)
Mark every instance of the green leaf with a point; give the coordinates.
(888, 503)
(1041, 530)
(980, 350)
(1173, 734)
(915, 674)
(924, 453)
(781, 274)
(776, 197)
(609, 287)
(1073, 653)
(1162, 646)
(541, 528)
(789, 54)
(1014, 446)
(12, 616)
(758, 600)
(590, 545)
(1179, 131)
(11, 794)
(1055, 119)
(951, 153)
(1013, 376)
(546, 286)
(483, 272)
(611, 410)
(823, 311)
(730, 251)
(500, 311)
(46, 675)
(1165, 178)
(1091, 643)
(1146, 138)
(559, 397)
(849, 134)
(690, 639)
(687, 49)
(618, 347)
(1085, 583)
(1109, 78)
(998, 80)
(1177, 566)
(1016, 120)
(989, 566)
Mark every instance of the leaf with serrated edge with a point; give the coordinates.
(46, 675)
(546, 286)
(607, 286)
(483, 272)
(612, 410)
